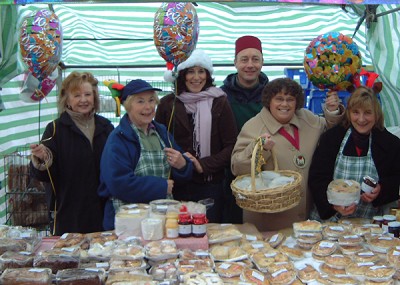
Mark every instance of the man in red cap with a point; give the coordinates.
(244, 90)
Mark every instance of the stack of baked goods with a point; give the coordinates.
(307, 233)
(343, 192)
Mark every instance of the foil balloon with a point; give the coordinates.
(176, 30)
(331, 61)
(41, 43)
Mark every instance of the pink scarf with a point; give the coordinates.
(200, 104)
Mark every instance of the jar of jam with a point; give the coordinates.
(386, 220)
(394, 229)
(184, 225)
(378, 220)
(368, 184)
(199, 225)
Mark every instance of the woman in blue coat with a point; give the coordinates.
(140, 161)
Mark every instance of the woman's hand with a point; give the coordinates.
(175, 158)
(332, 101)
(369, 197)
(345, 210)
(195, 162)
(268, 142)
(40, 151)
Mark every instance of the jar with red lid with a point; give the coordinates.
(184, 224)
(199, 222)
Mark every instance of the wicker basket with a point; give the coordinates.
(272, 200)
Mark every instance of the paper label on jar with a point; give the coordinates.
(172, 233)
(199, 229)
(185, 229)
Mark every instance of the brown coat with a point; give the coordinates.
(310, 128)
(223, 134)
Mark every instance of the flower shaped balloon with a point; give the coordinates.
(331, 61)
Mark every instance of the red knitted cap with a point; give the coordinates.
(247, 42)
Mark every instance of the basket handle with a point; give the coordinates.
(257, 151)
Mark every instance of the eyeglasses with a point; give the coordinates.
(289, 100)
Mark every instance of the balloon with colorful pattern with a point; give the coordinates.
(40, 43)
(176, 30)
(331, 61)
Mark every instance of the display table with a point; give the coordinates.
(181, 243)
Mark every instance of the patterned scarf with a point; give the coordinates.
(200, 104)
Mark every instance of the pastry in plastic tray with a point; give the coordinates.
(309, 226)
(310, 238)
(227, 253)
(281, 274)
(161, 250)
(306, 273)
(389, 282)
(8, 244)
(381, 244)
(326, 269)
(338, 261)
(379, 273)
(276, 239)
(294, 253)
(79, 276)
(333, 232)
(57, 259)
(26, 276)
(343, 192)
(351, 249)
(101, 264)
(70, 240)
(229, 269)
(255, 246)
(127, 265)
(350, 240)
(365, 256)
(222, 232)
(393, 256)
(194, 254)
(164, 271)
(193, 265)
(347, 280)
(254, 276)
(324, 248)
(263, 259)
(29, 235)
(126, 251)
(363, 230)
(129, 277)
(201, 279)
(101, 252)
(358, 269)
(101, 237)
(10, 259)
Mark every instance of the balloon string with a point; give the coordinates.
(39, 93)
(171, 119)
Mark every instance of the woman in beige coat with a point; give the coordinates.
(293, 133)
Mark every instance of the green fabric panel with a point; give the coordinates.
(384, 45)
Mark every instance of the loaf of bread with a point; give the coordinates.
(26, 276)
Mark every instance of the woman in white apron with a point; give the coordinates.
(360, 146)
